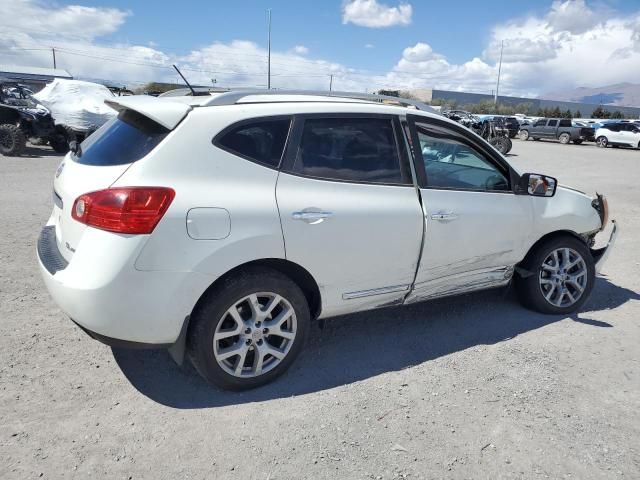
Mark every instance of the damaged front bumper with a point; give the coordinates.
(601, 254)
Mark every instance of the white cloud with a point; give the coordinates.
(369, 45)
(300, 50)
(370, 13)
(573, 16)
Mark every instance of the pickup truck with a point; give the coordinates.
(556, 129)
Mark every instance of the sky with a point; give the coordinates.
(364, 45)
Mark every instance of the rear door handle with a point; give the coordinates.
(443, 216)
(311, 217)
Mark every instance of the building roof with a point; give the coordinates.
(33, 72)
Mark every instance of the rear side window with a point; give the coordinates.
(565, 123)
(349, 149)
(552, 123)
(261, 141)
(120, 141)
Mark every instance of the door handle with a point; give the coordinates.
(311, 217)
(443, 216)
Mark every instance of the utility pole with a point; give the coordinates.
(330, 82)
(269, 53)
(53, 51)
(499, 70)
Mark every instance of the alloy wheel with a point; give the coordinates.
(255, 334)
(563, 277)
(602, 142)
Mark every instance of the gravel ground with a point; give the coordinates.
(468, 387)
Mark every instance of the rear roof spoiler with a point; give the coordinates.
(168, 114)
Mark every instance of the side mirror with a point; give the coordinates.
(537, 185)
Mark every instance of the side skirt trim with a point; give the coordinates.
(375, 291)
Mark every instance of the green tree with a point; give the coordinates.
(540, 113)
(578, 114)
(567, 114)
(617, 114)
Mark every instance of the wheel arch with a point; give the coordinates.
(522, 268)
(295, 272)
(9, 115)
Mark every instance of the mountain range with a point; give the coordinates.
(620, 94)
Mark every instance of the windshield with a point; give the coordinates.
(122, 140)
(17, 96)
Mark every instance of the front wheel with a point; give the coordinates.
(602, 142)
(12, 140)
(524, 135)
(248, 330)
(561, 276)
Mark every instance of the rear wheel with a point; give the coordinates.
(524, 135)
(61, 138)
(602, 142)
(562, 276)
(12, 140)
(564, 138)
(249, 329)
(501, 144)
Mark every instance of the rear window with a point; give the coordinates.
(120, 141)
(260, 141)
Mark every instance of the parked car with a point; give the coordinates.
(226, 224)
(621, 134)
(556, 129)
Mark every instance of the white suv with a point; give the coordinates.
(619, 134)
(223, 225)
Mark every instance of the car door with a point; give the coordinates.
(537, 129)
(350, 213)
(628, 135)
(477, 229)
(551, 129)
(614, 133)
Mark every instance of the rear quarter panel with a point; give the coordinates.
(204, 176)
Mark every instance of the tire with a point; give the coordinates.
(61, 138)
(509, 144)
(564, 138)
(536, 139)
(524, 135)
(549, 276)
(577, 142)
(12, 140)
(214, 316)
(500, 144)
(602, 141)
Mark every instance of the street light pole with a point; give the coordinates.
(53, 51)
(269, 53)
(495, 101)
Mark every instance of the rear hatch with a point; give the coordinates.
(100, 160)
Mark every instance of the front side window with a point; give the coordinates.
(451, 164)
(349, 149)
(261, 141)
(540, 123)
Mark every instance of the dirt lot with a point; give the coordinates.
(468, 387)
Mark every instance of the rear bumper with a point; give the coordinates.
(104, 294)
(600, 255)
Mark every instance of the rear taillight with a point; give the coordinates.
(123, 210)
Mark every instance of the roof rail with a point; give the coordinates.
(233, 97)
